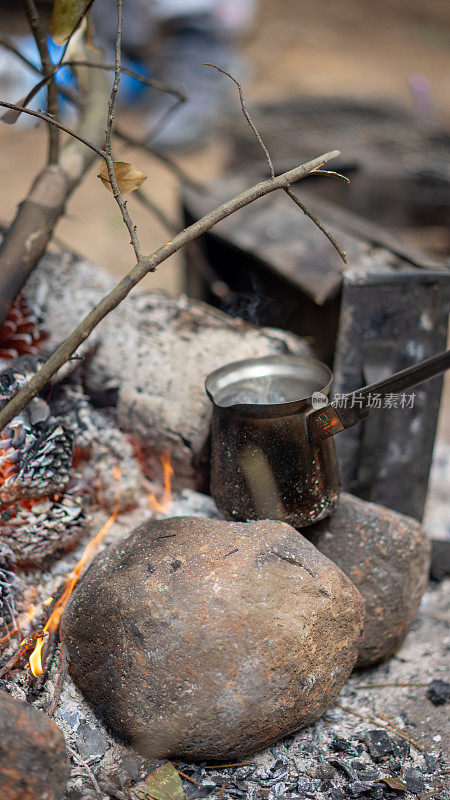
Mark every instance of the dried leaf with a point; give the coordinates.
(164, 783)
(65, 16)
(128, 177)
(394, 783)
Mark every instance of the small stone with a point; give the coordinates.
(222, 657)
(91, 742)
(414, 780)
(386, 555)
(438, 692)
(378, 744)
(33, 757)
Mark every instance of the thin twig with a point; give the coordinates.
(34, 22)
(86, 766)
(161, 87)
(288, 190)
(142, 268)
(317, 222)
(247, 116)
(90, 64)
(45, 118)
(388, 685)
(183, 775)
(163, 120)
(63, 667)
(7, 43)
(107, 155)
(24, 646)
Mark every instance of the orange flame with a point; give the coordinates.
(24, 621)
(54, 619)
(165, 501)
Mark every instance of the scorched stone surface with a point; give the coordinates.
(387, 556)
(208, 640)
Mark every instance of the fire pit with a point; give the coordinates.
(138, 446)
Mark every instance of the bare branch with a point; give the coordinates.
(6, 42)
(142, 268)
(163, 120)
(247, 116)
(161, 87)
(36, 218)
(319, 224)
(288, 191)
(34, 21)
(53, 122)
(107, 155)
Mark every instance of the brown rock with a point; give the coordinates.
(33, 759)
(208, 640)
(386, 555)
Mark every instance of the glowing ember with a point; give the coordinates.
(165, 501)
(24, 620)
(54, 619)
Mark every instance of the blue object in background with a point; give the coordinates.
(16, 79)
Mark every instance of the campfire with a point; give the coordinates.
(53, 545)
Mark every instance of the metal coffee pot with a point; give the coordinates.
(272, 451)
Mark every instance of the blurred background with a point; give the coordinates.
(288, 47)
(385, 66)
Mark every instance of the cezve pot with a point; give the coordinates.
(272, 451)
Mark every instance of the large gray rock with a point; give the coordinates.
(387, 556)
(208, 640)
(33, 757)
(151, 358)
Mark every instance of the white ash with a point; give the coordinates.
(327, 757)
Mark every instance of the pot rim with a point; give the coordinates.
(259, 367)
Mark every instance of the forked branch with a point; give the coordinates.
(142, 268)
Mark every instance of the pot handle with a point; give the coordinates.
(328, 420)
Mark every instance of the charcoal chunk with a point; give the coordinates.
(438, 692)
(378, 744)
(341, 745)
(414, 780)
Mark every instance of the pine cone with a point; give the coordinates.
(21, 332)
